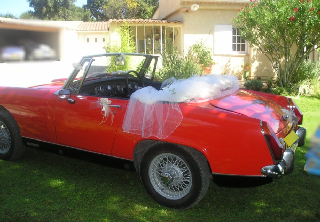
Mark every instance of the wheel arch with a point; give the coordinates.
(16, 147)
(143, 146)
(3, 108)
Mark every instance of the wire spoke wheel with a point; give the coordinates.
(170, 176)
(5, 138)
(175, 176)
(11, 146)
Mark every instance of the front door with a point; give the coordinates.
(84, 123)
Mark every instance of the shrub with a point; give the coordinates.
(285, 91)
(308, 70)
(177, 66)
(121, 41)
(306, 82)
(202, 53)
(269, 85)
(253, 84)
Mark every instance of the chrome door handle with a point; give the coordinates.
(116, 106)
(71, 101)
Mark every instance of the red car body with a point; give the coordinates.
(238, 134)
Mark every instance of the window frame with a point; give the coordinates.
(223, 41)
(237, 37)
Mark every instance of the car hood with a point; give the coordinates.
(56, 85)
(254, 106)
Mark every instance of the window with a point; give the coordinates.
(227, 40)
(103, 39)
(96, 39)
(238, 43)
(88, 40)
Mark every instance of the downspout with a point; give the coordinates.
(145, 40)
(161, 39)
(136, 39)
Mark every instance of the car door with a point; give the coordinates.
(82, 122)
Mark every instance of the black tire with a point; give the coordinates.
(176, 177)
(11, 146)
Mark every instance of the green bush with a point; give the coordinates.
(307, 71)
(306, 82)
(121, 41)
(202, 53)
(177, 66)
(269, 86)
(253, 84)
(285, 91)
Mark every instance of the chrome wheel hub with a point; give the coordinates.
(5, 139)
(170, 176)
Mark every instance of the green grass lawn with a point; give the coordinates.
(44, 186)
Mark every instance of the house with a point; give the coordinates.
(73, 39)
(185, 23)
(210, 21)
(181, 23)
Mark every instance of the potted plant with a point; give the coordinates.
(246, 70)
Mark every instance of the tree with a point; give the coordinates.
(49, 9)
(27, 15)
(64, 10)
(115, 9)
(76, 13)
(96, 9)
(103, 10)
(8, 15)
(286, 31)
(147, 8)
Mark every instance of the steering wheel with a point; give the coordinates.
(135, 72)
(127, 79)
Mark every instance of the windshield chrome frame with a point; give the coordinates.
(90, 58)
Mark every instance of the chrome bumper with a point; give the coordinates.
(286, 165)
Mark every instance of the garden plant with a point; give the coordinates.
(286, 31)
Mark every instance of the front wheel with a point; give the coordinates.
(176, 177)
(11, 146)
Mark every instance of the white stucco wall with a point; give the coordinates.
(69, 45)
(92, 42)
(200, 26)
(166, 7)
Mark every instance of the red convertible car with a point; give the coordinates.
(177, 133)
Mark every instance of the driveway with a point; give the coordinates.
(25, 74)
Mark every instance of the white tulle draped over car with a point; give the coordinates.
(157, 113)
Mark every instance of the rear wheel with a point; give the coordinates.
(11, 146)
(176, 177)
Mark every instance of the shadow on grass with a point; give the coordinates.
(80, 186)
(240, 182)
(104, 160)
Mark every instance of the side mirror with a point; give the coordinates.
(64, 94)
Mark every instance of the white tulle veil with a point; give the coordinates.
(157, 113)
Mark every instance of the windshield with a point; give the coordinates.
(111, 65)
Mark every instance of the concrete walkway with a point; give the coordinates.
(25, 74)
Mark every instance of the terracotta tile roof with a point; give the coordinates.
(79, 25)
(104, 26)
(93, 26)
(146, 21)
